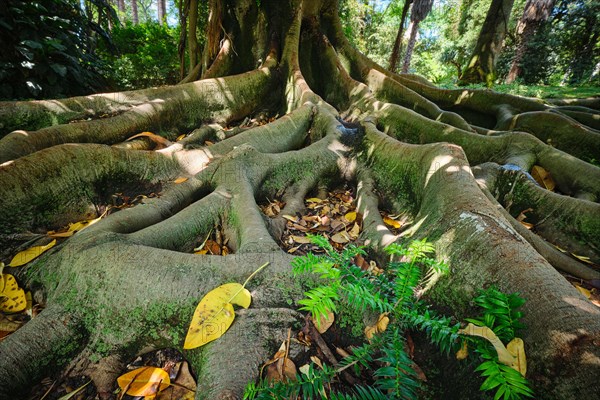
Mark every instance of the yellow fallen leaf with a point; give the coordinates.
(30, 254)
(392, 222)
(214, 315)
(380, 326)
(463, 352)
(582, 258)
(183, 387)
(583, 291)
(542, 177)
(12, 297)
(74, 228)
(180, 137)
(351, 216)
(314, 200)
(180, 180)
(514, 358)
(144, 381)
(516, 347)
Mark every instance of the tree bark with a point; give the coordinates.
(454, 161)
(134, 12)
(411, 45)
(397, 49)
(535, 14)
(482, 64)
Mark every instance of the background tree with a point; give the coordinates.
(418, 12)
(397, 49)
(482, 65)
(317, 113)
(535, 14)
(134, 12)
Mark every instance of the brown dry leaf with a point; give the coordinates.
(341, 237)
(213, 247)
(293, 249)
(354, 232)
(300, 239)
(181, 179)
(543, 177)
(182, 388)
(522, 216)
(324, 322)
(317, 361)
(342, 352)
(392, 222)
(361, 262)
(290, 218)
(208, 143)
(280, 368)
(160, 141)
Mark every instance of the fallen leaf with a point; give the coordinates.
(355, 231)
(380, 326)
(324, 322)
(12, 297)
(514, 358)
(182, 388)
(181, 179)
(214, 314)
(582, 258)
(290, 218)
(144, 381)
(521, 218)
(180, 137)
(583, 291)
(516, 347)
(341, 237)
(30, 254)
(542, 177)
(160, 141)
(74, 392)
(300, 239)
(73, 228)
(314, 200)
(317, 361)
(392, 222)
(463, 352)
(351, 216)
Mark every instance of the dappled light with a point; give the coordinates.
(430, 217)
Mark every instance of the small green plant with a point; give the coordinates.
(394, 293)
(501, 315)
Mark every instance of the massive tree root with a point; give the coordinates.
(455, 160)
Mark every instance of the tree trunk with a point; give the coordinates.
(454, 161)
(161, 7)
(397, 49)
(192, 34)
(134, 12)
(121, 5)
(410, 47)
(482, 64)
(535, 14)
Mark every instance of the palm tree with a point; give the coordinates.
(420, 9)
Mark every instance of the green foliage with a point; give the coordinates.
(145, 56)
(346, 286)
(48, 49)
(500, 313)
(501, 316)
